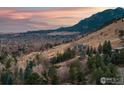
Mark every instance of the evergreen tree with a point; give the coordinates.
(100, 66)
(76, 74)
(68, 54)
(7, 78)
(100, 48)
(107, 48)
(34, 79)
(28, 70)
(52, 74)
(100, 74)
(45, 78)
(113, 70)
(121, 56)
(21, 74)
(115, 58)
(89, 51)
(107, 59)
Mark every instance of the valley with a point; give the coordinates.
(77, 55)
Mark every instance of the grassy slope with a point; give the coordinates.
(107, 33)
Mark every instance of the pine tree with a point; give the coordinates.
(107, 48)
(100, 74)
(107, 59)
(121, 56)
(52, 74)
(28, 71)
(7, 78)
(100, 48)
(89, 51)
(34, 79)
(115, 58)
(21, 74)
(76, 74)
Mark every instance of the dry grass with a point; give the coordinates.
(109, 32)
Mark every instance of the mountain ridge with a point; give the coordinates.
(92, 23)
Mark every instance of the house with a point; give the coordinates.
(80, 47)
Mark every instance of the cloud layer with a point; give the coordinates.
(25, 19)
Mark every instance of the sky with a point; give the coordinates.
(18, 19)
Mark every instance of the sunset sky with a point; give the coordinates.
(27, 19)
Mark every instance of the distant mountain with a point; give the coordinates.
(96, 21)
(64, 34)
(93, 23)
(102, 24)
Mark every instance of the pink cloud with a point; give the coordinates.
(20, 16)
(4, 12)
(43, 18)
